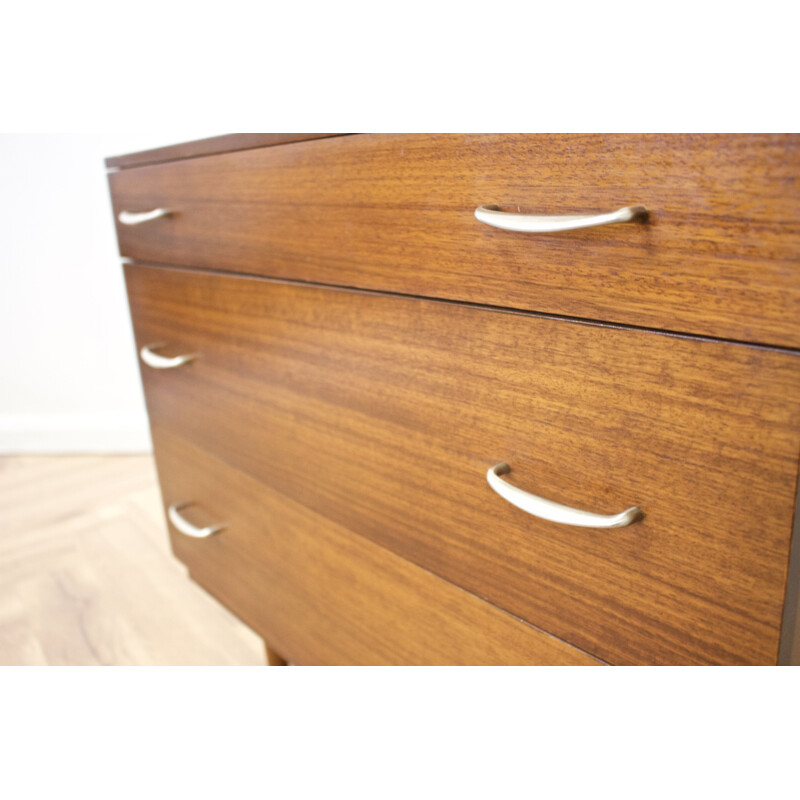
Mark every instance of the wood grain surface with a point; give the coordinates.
(383, 413)
(718, 256)
(227, 143)
(321, 595)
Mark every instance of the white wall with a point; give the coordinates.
(69, 381)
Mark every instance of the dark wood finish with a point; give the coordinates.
(789, 654)
(321, 595)
(383, 413)
(273, 658)
(718, 257)
(227, 143)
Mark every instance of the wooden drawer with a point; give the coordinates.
(383, 414)
(718, 256)
(321, 595)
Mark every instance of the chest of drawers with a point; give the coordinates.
(462, 399)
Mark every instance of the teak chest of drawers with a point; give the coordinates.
(477, 399)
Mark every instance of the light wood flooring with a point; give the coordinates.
(87, 577)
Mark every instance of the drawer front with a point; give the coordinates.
(321, 595)
(718, 256)
(384, 414)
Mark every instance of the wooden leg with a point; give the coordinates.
(273, 659)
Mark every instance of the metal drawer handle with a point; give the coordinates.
(138, 217)
(533, 223)
(156, 361)
(555, 512)
(186, 527)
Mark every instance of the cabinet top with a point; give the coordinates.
(211, 146)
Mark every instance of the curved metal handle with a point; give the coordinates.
(186, 527)
(555, 512)
(138, 217)
(156, 361)
(532, 223)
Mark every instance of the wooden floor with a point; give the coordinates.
(86, 575)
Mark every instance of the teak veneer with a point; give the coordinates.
(384, 413)
(717, 256)
(319, 593)
(363, 350)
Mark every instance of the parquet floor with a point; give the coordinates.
(86, 575)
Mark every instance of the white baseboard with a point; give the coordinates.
(60, 434)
